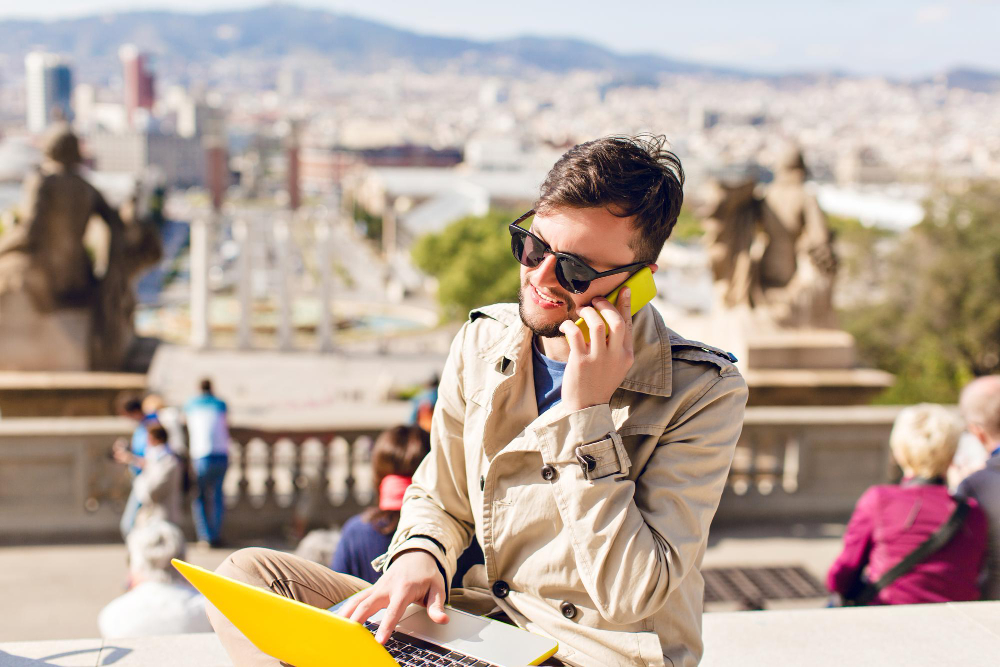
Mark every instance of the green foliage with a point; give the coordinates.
(688, 227)
(471, 260)
(938, 325)
(372, 223)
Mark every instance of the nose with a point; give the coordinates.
(547, 270)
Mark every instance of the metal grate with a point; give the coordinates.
(754, 586)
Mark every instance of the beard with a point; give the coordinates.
(545, 329)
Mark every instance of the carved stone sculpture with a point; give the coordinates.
(55, 313)
(772, 252)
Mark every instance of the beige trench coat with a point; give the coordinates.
(605, 560)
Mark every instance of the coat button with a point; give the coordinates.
(568, 609)
(548, 473)
(482, 482)
(501, 589)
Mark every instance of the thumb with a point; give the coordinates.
(435, 605)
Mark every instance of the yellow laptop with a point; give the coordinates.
(306, 636)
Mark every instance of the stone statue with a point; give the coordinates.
(55, 313)
(772, 252)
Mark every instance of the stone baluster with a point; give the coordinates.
(270, 497)
(243, 486)
(282, 243)
(323, 481)
(790, 465)
(299, 480)
(201, 242)
(243, 235)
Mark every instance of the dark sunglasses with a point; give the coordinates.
(572, 272)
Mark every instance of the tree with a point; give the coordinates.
(472, 262)
(938, 325)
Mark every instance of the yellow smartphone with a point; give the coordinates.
(643, 290)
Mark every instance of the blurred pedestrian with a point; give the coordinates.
(892, 522)
(423, 404)
(208, 447)
(135, 447)
(157, 487)
(159, 601)
(170, 418)
(980, 407)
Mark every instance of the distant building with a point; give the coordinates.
(140, 90)
(49, 82)
(178, 160)
(321, 168)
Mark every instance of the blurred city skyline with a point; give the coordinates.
(889, 38)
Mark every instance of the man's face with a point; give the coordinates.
(596, 236)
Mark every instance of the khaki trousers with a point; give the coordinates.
(284, 574)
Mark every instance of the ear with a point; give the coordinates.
(653, 268)
(980, 435)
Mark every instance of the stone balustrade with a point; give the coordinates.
(807, 462)
(58, 482)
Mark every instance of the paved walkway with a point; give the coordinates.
(56, 592)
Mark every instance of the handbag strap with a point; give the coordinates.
(940, 538)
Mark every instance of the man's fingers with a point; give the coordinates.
(369, 606)
(625, 310)
(392, 615)
(597, 328)
(613, 317)
(574, 337)
(435, 604)
(353, 603)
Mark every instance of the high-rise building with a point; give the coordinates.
(140, 92)
(49, 81)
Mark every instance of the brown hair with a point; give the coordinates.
(397, 451)
(157, 433)
(630, 176)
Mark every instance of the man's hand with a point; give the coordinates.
(413, 576)
(594, 370)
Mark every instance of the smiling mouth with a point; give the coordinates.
(546, 298)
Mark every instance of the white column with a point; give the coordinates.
(324, 328)
(242, 234)
(201, 241)
(281, 248)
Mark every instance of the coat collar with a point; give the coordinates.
(651, 371)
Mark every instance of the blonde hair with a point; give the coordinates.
(924, 439)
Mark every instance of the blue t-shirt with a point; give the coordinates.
(548, 379)
(208, 427)
(140, 438)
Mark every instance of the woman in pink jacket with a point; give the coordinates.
(890, 521)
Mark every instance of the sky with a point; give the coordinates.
(888, 37)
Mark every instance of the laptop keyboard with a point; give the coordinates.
(409, 651)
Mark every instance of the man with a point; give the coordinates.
(980, 407)
(589, 473)
(132, 409)
(157, 487)
(158, 602)
(208, 447)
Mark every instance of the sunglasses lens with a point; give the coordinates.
(573, 276)
(525, 248)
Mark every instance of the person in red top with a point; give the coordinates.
(890, 521)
